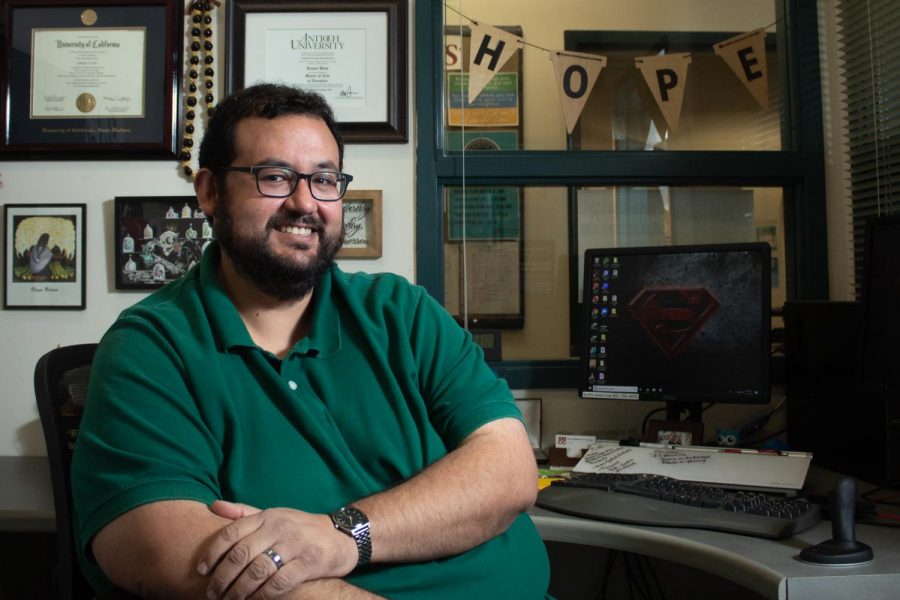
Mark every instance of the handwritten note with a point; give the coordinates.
(607, 459)
(699, 463)
(356, 219)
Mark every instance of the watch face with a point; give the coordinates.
(349, 517)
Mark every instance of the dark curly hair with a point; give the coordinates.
(267, 100)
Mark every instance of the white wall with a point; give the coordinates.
(28, 334)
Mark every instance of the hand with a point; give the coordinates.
(232, 510)
(309, 545)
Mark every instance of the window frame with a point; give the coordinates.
(799, 171)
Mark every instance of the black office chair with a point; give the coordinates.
(60, 385)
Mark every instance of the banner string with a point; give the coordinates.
(525, 42)
(464, 262)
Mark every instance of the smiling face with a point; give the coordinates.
(282, 245)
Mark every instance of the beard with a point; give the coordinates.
(253, 257)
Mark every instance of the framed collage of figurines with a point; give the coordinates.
(157, 240)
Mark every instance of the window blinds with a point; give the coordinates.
(869, 45)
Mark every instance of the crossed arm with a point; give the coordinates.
(182, 549)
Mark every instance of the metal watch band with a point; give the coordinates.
(363, 544)
(354, 522)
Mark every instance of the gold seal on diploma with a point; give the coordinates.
(85, 102)
(89, 17)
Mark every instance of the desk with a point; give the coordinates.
(26, 494)
(768, 567)
(27, 528)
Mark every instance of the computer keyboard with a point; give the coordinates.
(663, 501)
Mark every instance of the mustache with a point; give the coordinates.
(295, 220)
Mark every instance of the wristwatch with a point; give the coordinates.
(355, 523)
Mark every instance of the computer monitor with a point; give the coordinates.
(879, 349)
(679, 324)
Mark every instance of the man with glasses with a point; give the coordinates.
(270, 426)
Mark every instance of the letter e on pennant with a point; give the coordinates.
(745, 54)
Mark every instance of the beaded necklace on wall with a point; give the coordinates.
(201, 29)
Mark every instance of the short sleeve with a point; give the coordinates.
(142, 437)
(461, 391)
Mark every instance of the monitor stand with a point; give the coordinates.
(674, 410)
(688, 417)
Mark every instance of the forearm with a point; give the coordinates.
(468, 497)
(333, 589)
(461, 501)
(153, 551)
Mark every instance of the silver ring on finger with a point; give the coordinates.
(276, 558)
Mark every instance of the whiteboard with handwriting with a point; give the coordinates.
(724, 466)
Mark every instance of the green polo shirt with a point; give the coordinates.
(183, 405)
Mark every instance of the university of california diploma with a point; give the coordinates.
(88, 73)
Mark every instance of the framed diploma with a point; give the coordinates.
(95, 80)
(352, 52)
(43, 258)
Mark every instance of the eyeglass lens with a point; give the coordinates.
(281, 182)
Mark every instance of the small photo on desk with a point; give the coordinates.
(679, 433)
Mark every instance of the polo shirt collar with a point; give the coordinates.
(323, 340)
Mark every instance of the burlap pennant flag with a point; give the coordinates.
(489, 49)
(576, 75)
(666, 77)
(746, 55)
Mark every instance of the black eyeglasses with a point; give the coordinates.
(280, 182)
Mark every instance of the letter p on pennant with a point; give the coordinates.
(666, 76)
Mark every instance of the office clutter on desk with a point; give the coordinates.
(568, 449)
(707, 464)
(548, 476)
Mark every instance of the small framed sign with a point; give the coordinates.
(44, 256)
(362, 224)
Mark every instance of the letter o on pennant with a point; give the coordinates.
(567, 81)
